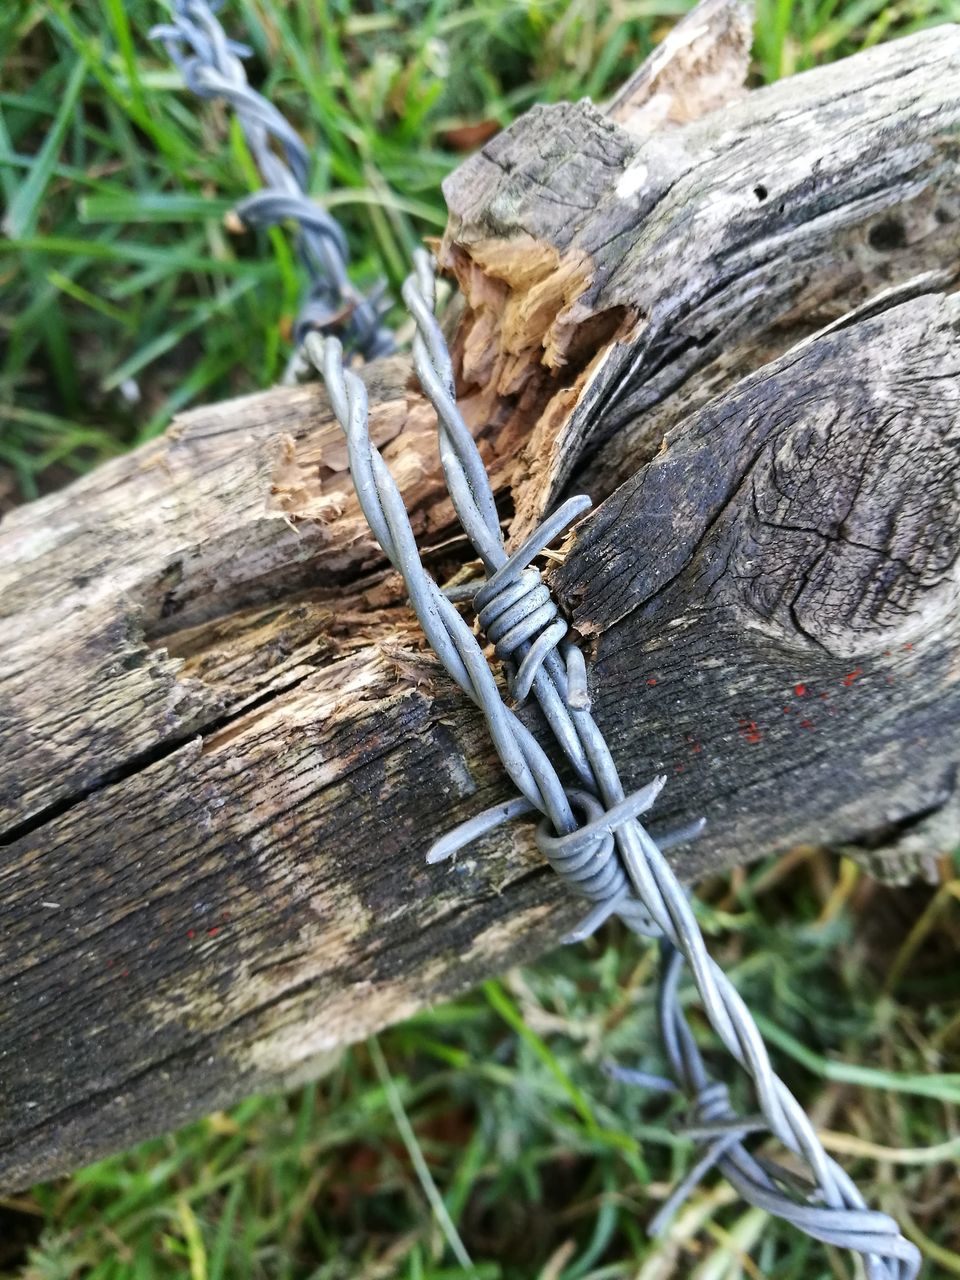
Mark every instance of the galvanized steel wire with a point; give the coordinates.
(590, 832)
(211, 66)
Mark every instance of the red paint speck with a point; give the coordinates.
(651, 681)
(823, 697)
(889, 679)
(680, 768)
(750, 732)
(191, 933)
(888, 653)
(849, 678)
(213, 931)
(125, 973)
(800, 690)
(696, 748)
(806, 724)
(788, 711)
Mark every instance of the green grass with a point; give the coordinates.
(124, 296)
(485, 1127)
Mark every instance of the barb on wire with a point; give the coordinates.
(212, 68)
(590, 833)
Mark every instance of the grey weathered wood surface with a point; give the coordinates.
(616, 282)
(224, 747)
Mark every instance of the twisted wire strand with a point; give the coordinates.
(451, 638)
(211, 66)
(610, 858)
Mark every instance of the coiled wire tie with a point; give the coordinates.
(589, 833)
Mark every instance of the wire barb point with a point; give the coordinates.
(590, 832)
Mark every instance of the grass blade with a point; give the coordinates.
(21, 219)
(405, 1129)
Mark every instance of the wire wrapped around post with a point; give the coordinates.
(590, 834)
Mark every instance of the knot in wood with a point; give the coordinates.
(848, 536)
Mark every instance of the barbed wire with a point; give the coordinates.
(607, 856)
(589, 833)
(211, 66)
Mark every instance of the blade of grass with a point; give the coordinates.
(151, 206)
(21, 219)
(948, 1259)
(117, 13)
(409, 1139)
(165, 341)
(224, 1238)
(88, 299)
(845, 1144)
(131, 251)
(944, 1088)
(204, 374)
(512, 1016)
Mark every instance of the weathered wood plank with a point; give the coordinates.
(217, 918)
(224, 747)
(614, 283)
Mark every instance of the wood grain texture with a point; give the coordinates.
(700, 66)
(797, 590)
(615, 283)
(225, 749)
